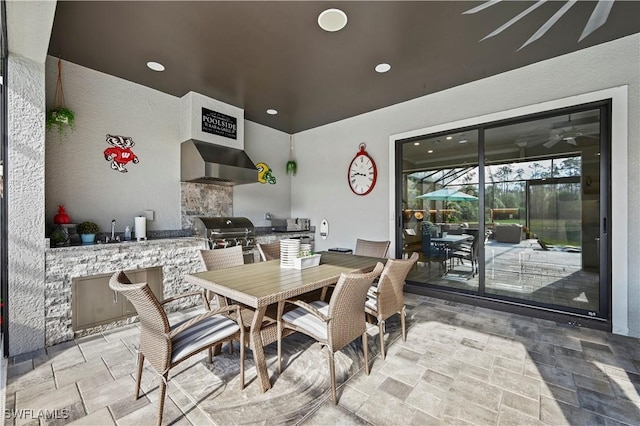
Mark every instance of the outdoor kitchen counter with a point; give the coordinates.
(127, 244)
(175, 256)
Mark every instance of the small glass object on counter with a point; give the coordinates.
(60, 237)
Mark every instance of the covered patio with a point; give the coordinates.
(460, 364)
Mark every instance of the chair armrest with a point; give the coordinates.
(309, 308)
(201, 317)
(181, 296)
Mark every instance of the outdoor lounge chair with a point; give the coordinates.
(165, 345)
(387, 298)
(334, 324)
(511, 233)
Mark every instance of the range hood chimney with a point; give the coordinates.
(212, 150)
(204, 162)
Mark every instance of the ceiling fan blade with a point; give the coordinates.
(571, 141)
(550, 143)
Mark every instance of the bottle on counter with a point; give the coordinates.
(127, 233)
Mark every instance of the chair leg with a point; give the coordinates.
(163, 393)
(279, 330)
(403, 316)
(365, 348)
(381, 333)
(279, 346)
(332, 371)
(210, 351)
(139, 374)
(241, 363)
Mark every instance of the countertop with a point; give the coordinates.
(123, 244)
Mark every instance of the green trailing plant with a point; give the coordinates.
(292, 166)
(60, 116)
(88, 228)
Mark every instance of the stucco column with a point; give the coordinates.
(25, 196)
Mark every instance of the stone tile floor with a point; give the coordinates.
(460, 365)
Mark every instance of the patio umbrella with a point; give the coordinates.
(447, 194)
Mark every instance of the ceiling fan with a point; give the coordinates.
(568, 131)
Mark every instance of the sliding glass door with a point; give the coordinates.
(511, 211)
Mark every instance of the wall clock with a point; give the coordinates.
(362, 173)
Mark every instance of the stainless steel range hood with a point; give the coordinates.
(204, 162)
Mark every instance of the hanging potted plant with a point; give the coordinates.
(59, 116)
(291, 167)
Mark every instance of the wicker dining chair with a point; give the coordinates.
(269, 251)
(222, 258)
(165, 345)
(334, 324)
(371, 248)
(387, 298)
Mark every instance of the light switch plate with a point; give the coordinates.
(148, 214)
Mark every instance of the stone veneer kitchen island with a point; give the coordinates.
(176, 257)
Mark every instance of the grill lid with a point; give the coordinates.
(221, 227)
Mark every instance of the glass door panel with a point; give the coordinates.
(537, 194)
(440, 209)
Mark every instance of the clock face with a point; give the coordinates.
(362, 174)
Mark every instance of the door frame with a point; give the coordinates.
(616, 271)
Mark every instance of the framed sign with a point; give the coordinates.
(219, 124)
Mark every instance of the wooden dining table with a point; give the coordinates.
(260, 285)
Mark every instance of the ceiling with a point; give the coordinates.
(261, 55)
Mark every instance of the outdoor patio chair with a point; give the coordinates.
(212, 260)
(469, 252)
(334, 324)
(387, 298)
(371, 248)
(269, 251)
(165, 345)
(431, 252)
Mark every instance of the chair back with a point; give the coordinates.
(269, 251)
(154, 325)
(390, 297)
(371, 248)
(429, 249)
(346, 307)
(212, 260)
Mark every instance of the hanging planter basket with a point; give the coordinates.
(292, 167)
(59, 117)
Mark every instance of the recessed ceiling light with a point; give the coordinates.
(449, 138)
(272, 111)
(332, 20)
(381, 68)
(416, 143)
(156, 66)
(463, 141)
(430, 151)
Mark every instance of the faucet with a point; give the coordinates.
(113, 230)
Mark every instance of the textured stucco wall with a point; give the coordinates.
(25, 183)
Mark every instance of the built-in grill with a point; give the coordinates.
(222, 232)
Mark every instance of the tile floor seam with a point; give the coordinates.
(177, 385)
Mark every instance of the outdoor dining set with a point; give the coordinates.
(260, 303)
